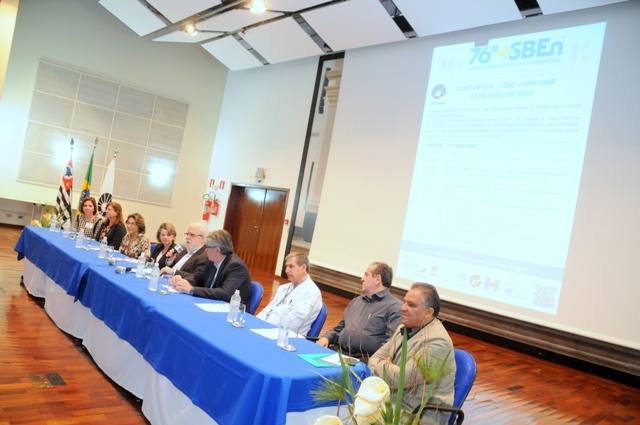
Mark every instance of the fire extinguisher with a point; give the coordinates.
(211, 206)
(215, 207)
(206, 209)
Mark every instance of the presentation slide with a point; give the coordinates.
(498, 166)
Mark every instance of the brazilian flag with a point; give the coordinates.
(86, 185)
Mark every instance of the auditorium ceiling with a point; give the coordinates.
(295, 29)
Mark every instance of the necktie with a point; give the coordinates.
(214, 277)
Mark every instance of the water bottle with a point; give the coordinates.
(54, 223)
(140, 266)
(233, 306)
(103, 248)
(155, 275)
(65, 228)
(283, 331)
(79, 240)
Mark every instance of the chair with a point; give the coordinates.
(465, 377)
(257, 291)
(317, 324)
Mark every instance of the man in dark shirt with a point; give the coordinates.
(370, 319)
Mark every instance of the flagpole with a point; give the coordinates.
(70, 192)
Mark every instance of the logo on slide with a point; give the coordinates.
(475, 280)
(438, 91)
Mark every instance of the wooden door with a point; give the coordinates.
(255, 220)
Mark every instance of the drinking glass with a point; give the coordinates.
(238, 321)
(292, 341)
(163, 285)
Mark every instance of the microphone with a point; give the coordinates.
(175, 250)
(123, 270)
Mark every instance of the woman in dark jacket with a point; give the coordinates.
(113, 226)
(166, 237)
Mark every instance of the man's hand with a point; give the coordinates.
(181, 284)
(323, 341)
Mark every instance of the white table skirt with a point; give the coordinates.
(69, 315)
(33, 279)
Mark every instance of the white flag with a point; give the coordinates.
(107, 187)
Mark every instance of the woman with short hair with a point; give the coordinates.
(135, 242)
(166, 237)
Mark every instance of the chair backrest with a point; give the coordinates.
(317, 324)
(257, 291)
(465, 377)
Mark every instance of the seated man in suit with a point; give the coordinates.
(193, 259)
(301, 299)
(370, 319)
(224, 273)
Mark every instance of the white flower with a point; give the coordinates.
(328, 420)
(368, 420)
(370, 400)
(373, 390)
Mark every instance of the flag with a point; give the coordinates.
(86, 185)
(107, 187)
(63, 201)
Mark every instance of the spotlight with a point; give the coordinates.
(258, 6)
(191, 29)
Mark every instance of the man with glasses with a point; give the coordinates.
(370, 319)
(193, 258)
(224, 273)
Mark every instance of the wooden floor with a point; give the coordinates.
(46, 377)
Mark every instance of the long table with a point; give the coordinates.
(186, 364)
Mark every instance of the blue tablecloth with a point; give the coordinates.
(233, 374)
(57, 257)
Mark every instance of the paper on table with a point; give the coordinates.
(335, 359)
(272, 333)
(214, 307)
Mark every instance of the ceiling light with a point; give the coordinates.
(191, 29)
(258, 6)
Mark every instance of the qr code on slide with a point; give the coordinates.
(545, 296)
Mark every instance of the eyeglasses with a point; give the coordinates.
(213, 247)
(191, 235)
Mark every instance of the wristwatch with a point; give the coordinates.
(191, 291)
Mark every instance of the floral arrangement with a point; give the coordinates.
(371, 404)
(48, 212)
